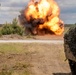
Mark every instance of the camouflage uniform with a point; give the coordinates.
(70, 48)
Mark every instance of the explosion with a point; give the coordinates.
(43, 15)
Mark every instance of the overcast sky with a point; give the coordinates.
(9, 9)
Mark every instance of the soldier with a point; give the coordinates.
(70, 48)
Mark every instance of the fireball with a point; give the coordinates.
(45, 14)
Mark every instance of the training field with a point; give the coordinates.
(33, 59)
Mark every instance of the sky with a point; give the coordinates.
(10, 9)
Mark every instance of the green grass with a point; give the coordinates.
(12, 48)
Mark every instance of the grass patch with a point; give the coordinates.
(12, 48)
(10, 53)
(17, 69)
(15, 58)
(8, 72)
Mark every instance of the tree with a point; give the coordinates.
(14, 22)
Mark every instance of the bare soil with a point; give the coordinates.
(49, 37)
(44, 59)
(39, 37)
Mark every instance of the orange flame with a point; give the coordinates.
(47, 10)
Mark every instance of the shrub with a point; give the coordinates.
(7, 29)
(18, 30)
(13, 28)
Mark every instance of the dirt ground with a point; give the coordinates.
(44, 59)
(50, 61)
(49, 37)
(38, 37)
